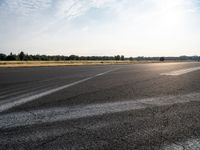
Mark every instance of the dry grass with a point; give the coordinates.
(64, 63)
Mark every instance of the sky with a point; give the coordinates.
(100, 27)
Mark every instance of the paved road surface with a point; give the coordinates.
(143, 106)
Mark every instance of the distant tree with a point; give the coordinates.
(162, 59)
(43, 57)
(139, 58)
(122, 57)
(27, 57)
(73, 57)
(131, 58)
(2, 56)
(11, 57)
(117, 57)
(21, 56)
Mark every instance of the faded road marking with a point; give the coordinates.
(55, 114)
(191, 144)
(181, 72)
(22, 99)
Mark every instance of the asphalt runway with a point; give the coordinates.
(141, 106)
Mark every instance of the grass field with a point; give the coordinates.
(64, 63)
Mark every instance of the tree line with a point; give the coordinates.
(26, 57)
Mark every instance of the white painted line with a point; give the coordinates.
(66, 113)
(103, 73)
(10, 103)
(180, 72)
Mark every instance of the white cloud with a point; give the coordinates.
(24, 7)
(70, 8)
(73, 8)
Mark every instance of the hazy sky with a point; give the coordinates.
(101, 27)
